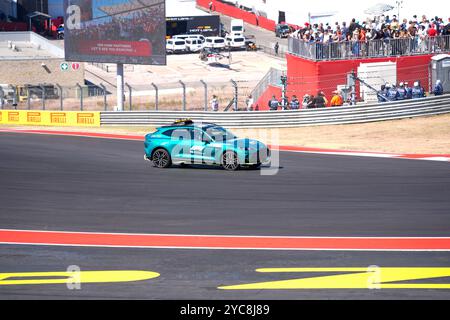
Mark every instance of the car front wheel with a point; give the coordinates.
(161, 158)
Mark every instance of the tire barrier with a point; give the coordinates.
(289, 118)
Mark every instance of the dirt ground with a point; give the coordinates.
(416, 135)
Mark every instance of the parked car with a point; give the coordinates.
(235, 41)
(180, 36)
(197, 36)
(175, 45)
(282, 30)
(215, 42)
(194, 45)
(189, 36)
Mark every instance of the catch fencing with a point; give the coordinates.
(179, 95)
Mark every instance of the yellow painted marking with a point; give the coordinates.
(79, 277)
(359, 278)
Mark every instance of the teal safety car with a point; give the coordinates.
(187, 142)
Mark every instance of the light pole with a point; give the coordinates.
(399, 5)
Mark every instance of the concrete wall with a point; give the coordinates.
(34, 38)
(20, 72)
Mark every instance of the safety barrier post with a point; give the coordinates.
(129, 94)
(430, 72)
(206, 94)
(28, 97)
(353, 76)
(81, 96)
(184, 94)
(2, 95)
(235, 94)
(43, 97)
(61, 103)
(283, 91)
(105, 104)
(156, 95)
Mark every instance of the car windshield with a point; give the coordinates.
(220, 134)
(284, 27)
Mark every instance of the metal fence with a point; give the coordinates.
(318, 51)
(111, 67)
(181, 96)
(282, 49)
(272, 77)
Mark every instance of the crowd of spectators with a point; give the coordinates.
(387, 93)
(309, 101)
(381, 27)
(415, 35)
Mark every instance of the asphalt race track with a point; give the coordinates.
(81, 184)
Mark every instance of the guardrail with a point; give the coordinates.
(290, 118)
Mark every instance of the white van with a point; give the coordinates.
(214, 42)
(194, 45)
(175, 45)
(235, 41)
(237, 27)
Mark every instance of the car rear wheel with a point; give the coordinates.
(161, 158)
(230, 161)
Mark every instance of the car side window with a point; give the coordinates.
(168, 133)
(181, 134)
(200, 135)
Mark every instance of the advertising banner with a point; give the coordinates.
(115, 31)
(50, 118)
(205, 25)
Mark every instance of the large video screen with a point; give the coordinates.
(115, 31)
